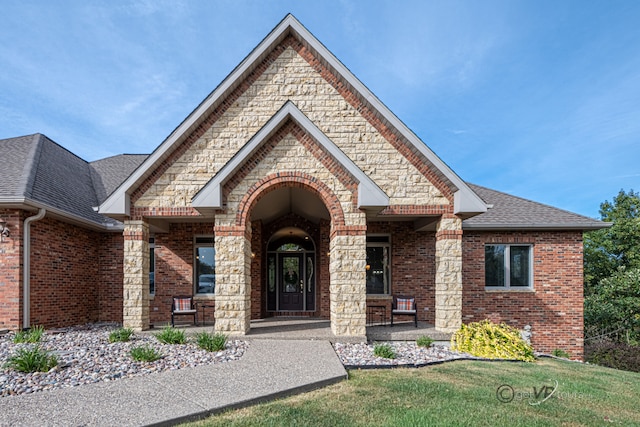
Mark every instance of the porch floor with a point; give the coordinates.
(294, 328)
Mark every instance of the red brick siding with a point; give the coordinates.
(111, 276)
(412, 266)
(258, 288)
(64, 274)
(554, 310)
(174, 267)
(11, 271)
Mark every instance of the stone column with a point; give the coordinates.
(448, 298)
(135, 310)
(233, 279)
(348, 283)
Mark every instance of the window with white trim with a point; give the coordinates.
(204, 266)
(378, 262)
(508, 266)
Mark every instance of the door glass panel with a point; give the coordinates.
(205, 270)
(290, 274)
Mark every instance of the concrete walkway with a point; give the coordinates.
(269, 369)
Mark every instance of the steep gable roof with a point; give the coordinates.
(511, 212)
(466, 202)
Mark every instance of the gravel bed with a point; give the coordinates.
(86, 356)
(408, 353)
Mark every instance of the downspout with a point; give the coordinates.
(26, 268)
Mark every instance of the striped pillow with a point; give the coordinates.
(182, 304)
(405, 304)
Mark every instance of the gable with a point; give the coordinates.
(290, 64)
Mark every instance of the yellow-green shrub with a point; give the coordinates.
(492, 341)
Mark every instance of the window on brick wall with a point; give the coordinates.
(378, 261)
(152, 266)
(508, 266)
(204, 266)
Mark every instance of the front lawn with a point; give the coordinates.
(459, 393)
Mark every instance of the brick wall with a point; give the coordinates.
(65, 277)
(111, 252)
(412, 266)
(554, 309)
(174, 267)
(11, 271)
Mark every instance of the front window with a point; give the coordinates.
(378, 260)
(507, 266)
(205, 266)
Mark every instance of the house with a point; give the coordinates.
(290, 190)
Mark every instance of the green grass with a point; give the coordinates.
(384, 351)
(171, 335)
(32, 359)
(211, 342)
(32, 335)
(121, 335)
(145, 354)
(457, 394)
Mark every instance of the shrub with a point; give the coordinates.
(614, 355)
(32, 335)
(120, 335)
(424, 341)
(384, 350)
(32, 359)
(145, 354)
(216, 342)
(488, 340)
(558, 352)
(170, 335)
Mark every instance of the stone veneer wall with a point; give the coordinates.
(348, 285)
(136, 275)
(448, 295)
(554, 308)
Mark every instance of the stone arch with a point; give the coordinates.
(290, 179)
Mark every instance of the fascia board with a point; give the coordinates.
(210, 196)
(533, 226)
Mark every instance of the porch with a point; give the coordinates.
(320, 329)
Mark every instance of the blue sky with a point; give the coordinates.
(540, 99)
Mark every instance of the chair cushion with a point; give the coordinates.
(181, 304)
(404, 304)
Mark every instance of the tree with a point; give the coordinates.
(608, 250)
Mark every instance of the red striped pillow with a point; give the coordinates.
(405, 304)
(182, 304)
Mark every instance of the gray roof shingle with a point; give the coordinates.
(511, 212)
(37, 169)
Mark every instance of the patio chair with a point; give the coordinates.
(404, 306)
(183, 306)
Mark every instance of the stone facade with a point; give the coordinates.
(136, 276)
(448, 293)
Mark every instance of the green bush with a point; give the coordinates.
(120, 335)
(558, 352)
(32, 359)
(32, 335)
(424, 341)
(491, 341)
(145, 354)
(209, 342)
(614, 355)
(171, 335)
(384, 350)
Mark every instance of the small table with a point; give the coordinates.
(202, 307)
(379, 311)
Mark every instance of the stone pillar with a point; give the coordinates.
(135, 310)
(233, 279)
(448, 298)
(348, 283)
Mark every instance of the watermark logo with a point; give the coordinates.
(536, 396)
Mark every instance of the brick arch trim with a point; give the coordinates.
(290, 179)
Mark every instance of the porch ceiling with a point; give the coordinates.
(289, 200)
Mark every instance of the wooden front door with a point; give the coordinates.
(291, 281)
